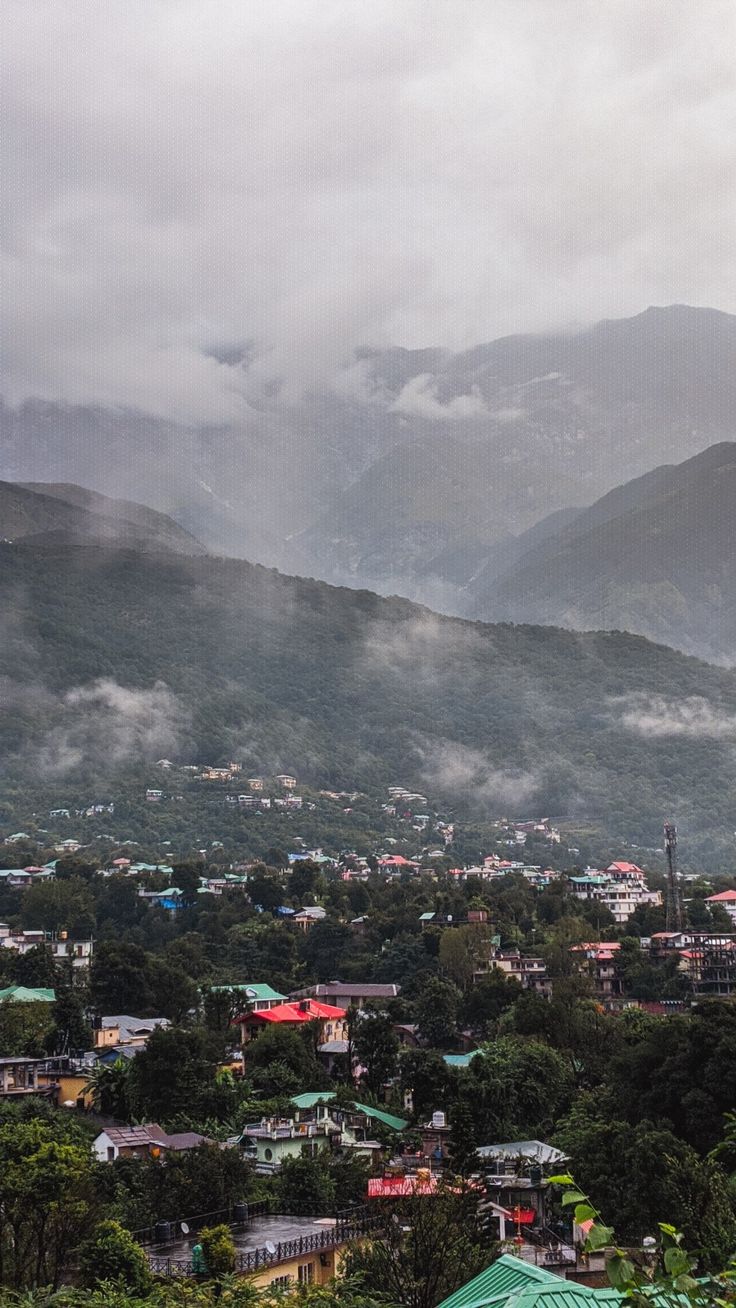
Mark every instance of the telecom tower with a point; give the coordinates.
(674, 916)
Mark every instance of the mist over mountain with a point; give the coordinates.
(656, 556)
(72, 513)
(111, 657)
(414, 469)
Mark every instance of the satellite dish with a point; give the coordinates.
(270, 1248)
(184, 1227)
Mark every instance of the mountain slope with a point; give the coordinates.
(409, 477)
(110, 657)
(499, 436)
(656, 556)
(70, 512)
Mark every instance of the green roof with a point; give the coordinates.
(461, 1060)
(27, 995)
(512, 1283)
(257, 991)
(312, 1097)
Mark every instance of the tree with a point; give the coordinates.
(109, 1088)
(72, 1031)
(174, 1075)
(111, 1254)
(427, 1248)
(376, 1048)
(280, 1047)
(36, 968)
(425, 1075)
(46, 1203)
(436, 1013)
(118, 979)
(24, 1028)
(305, 1185)
(218, 1248)
(631, 1171)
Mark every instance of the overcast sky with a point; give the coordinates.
(183, 177)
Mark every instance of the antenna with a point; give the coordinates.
(673, 897)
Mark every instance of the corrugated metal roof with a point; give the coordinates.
(503, 1278)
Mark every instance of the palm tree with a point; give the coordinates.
(108, 1088)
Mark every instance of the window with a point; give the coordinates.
(111, 1153)
(268, 1154)
(281, 1282)
(306, 1273)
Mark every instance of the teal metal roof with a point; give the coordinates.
(27, 995)
(312, 1097)
(257, 991)
(498, 1282)
(512, 1283)
(460, 1060)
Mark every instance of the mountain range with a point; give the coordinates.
(655, 556)
(64, 512)
(112, 657)
(410, 469)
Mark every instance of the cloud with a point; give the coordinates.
(419, 398)
(106, 723)
(179, 179)
(657, 715)
(451, 769)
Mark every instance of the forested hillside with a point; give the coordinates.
(109, 657)
(655, 556)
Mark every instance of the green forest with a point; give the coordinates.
(111, 658)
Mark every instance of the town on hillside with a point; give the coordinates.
(294, 1049)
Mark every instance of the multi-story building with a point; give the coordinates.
(78, 952)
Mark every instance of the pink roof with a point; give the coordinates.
(396, 860)
(724, 897)
(623, 867)
(390, 1187)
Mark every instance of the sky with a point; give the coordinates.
(190, 187)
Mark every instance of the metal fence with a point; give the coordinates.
(158, 1234)
(254, 1260)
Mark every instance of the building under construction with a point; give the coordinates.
(707, 959)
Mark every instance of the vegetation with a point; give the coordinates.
(216, 658)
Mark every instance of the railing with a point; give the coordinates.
(254, 1260)
(152, 1234)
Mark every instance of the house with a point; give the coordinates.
(316, 1124)
(154, 796)
(350, 994)
(517, 1173)
(112, 1032)
(258, 996)
(286, 782)
(599, 959)
(255, 784)
(78, 952)
(332, 1020)
(143, 1142)
(725, 899)
(307, 917)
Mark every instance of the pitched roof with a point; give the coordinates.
(258, 990)
(303, 1010)
(27, 995)
(312, 1097)
(367, 989)
(535, 1150)
(512, 1283)
(723, 897)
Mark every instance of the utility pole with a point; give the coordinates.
(674, 916)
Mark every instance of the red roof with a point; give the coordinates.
(303, 1010)
(391, 1187)
(724, 897)
(623, 867)
(396, 860)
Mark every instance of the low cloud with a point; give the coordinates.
(452, 769)
(104, 722)
(419, 399)
(656, 715)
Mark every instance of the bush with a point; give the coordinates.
(111, 1254)
(219, 1250)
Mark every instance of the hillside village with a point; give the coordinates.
(324, 1022)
